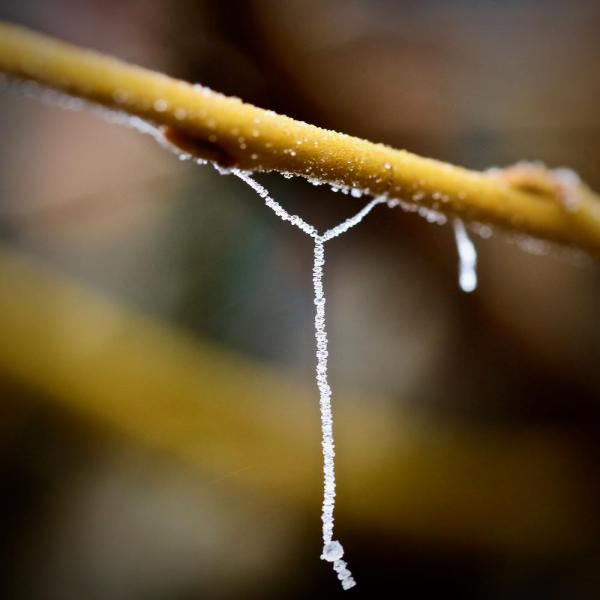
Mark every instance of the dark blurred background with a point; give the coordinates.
(159, 431)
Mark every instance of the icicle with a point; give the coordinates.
(467, 258)
(332, 549)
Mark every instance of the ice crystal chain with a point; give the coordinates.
(332, 549)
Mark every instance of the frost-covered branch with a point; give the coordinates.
(531, 200)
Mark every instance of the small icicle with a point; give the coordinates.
(467, 258)
(332, 549)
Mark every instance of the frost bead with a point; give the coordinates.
(332, 551)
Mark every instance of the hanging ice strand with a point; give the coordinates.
(332, 549)
(467, 258)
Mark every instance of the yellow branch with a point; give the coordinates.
(235, 133)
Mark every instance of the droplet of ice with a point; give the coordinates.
(332, 551)
(160, 105)
(483, 231)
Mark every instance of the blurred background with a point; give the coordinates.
(160, 430)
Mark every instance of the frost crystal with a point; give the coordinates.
(332, 549)
(467, 258)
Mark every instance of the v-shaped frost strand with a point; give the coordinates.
(332, 549)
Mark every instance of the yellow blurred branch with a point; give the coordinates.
(500, 489)
(234, 133)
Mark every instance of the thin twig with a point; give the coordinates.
(241, 135)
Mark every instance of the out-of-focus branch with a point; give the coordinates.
(237, 134)
(503, 490)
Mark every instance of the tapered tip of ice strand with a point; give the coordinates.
(333, 552)
(344, 575)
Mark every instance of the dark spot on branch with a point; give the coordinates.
(199, 148)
